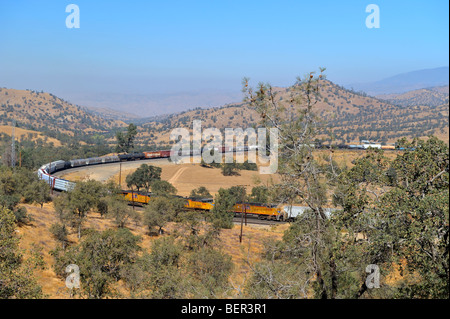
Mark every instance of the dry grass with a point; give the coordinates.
(355, 116)
(23, 134)
(186, 177)
(46, 111)
(37, 233)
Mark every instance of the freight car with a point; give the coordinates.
(56, 166)
(46, 171)
(226, 149)
(165, 154)
(342, 146)
(92, 161)
(131, 157)
(294, 212)
(156, 154)
(55, 183)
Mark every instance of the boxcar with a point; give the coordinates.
(152, 154)
(165, 153)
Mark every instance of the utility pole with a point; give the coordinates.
(20, 154)
(13, 145)
(243, 212)
(120, 174)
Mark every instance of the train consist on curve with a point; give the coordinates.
(45, 173)
(262, 211)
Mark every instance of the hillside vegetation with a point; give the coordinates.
(45, 112)
(430, 96)
(346, 115)
(350, 116)
(391, 212)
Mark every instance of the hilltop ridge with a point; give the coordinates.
(46, 112)
(349, 115)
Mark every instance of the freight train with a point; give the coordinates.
(365, 146)
(264, 211)
(46, 171)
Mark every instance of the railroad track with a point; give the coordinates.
(256, 221)
(237, 219)
(105, 167)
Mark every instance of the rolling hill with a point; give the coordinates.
(45, 112)
(23, 134)
(434, 96)
(350, 116)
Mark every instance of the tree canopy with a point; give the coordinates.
(125, 141)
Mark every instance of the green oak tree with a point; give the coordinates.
(125, 141)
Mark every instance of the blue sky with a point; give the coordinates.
(175, 46)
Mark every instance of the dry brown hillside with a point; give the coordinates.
(431, 96)
(45, 112)
(349, 115)
(23, 134)
(37, 233)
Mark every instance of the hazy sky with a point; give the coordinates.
(177, 46)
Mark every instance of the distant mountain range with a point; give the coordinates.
(133, 106)
(139, 107)
(350, 115)
(404, 82)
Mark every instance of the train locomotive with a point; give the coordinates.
(262, 211)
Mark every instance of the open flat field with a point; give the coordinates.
(186, 177)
